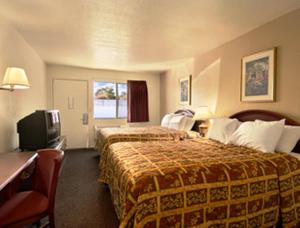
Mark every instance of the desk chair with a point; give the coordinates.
(30, 206)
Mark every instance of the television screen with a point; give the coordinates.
(38, 130)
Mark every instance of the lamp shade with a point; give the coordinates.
(15, 78)
(202, 113)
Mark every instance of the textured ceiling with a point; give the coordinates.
(135, 34)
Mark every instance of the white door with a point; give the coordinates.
(70, 97)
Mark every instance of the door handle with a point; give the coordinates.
(85, 118)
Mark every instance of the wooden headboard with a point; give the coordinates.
(251, 115)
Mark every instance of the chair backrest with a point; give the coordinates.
(47, 172)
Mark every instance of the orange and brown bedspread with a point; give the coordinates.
(202, 183)
(108, 136)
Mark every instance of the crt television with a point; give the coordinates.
(38, 130)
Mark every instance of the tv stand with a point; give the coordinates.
(60, 144)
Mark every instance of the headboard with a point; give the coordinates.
(250, 115)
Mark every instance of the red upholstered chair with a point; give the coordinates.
(31, 206)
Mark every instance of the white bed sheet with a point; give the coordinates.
(296, 155)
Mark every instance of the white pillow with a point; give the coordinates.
(166, 119)
(296, 155)
(221, 129)
(289, 138)
(177, 122)
(259, 135)
(188, 123)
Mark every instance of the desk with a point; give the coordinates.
(12, 164)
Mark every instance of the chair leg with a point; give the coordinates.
(51, 220)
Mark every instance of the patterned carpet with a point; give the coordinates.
(80, 200)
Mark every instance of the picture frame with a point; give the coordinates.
(258, 77)
(185, 90)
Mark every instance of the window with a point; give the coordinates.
(110, 100)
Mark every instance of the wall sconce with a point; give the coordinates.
(14, 78)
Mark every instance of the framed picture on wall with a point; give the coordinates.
(258, 77)
(185, 90)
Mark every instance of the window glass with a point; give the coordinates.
(104, 100)
(110, 100)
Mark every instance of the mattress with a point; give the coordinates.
(201, 182)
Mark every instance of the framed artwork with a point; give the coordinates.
(185, 90)
(258, 77)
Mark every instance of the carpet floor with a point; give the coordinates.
(81, 201)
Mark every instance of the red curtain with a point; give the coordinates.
(137, 101)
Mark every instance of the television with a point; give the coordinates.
(38, 130)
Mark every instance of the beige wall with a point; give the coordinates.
(68, 72)
(169, 86)
(283, 33)
(14, 105)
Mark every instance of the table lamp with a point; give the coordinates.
(202, 114)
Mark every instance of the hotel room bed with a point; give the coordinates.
(109, 135)
(202, 182)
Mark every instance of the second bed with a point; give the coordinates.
(202, 182)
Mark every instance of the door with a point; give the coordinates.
(70, 97)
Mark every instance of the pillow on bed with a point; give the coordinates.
(289, 138)
(166, 119)
(188, 123)
(259, 135)
(221, 129)
(177, 122)
(296, 155)
(181, 122)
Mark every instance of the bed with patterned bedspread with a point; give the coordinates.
(110, 135)
(107, 136)
(204, 183)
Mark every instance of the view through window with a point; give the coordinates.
(110, 100)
